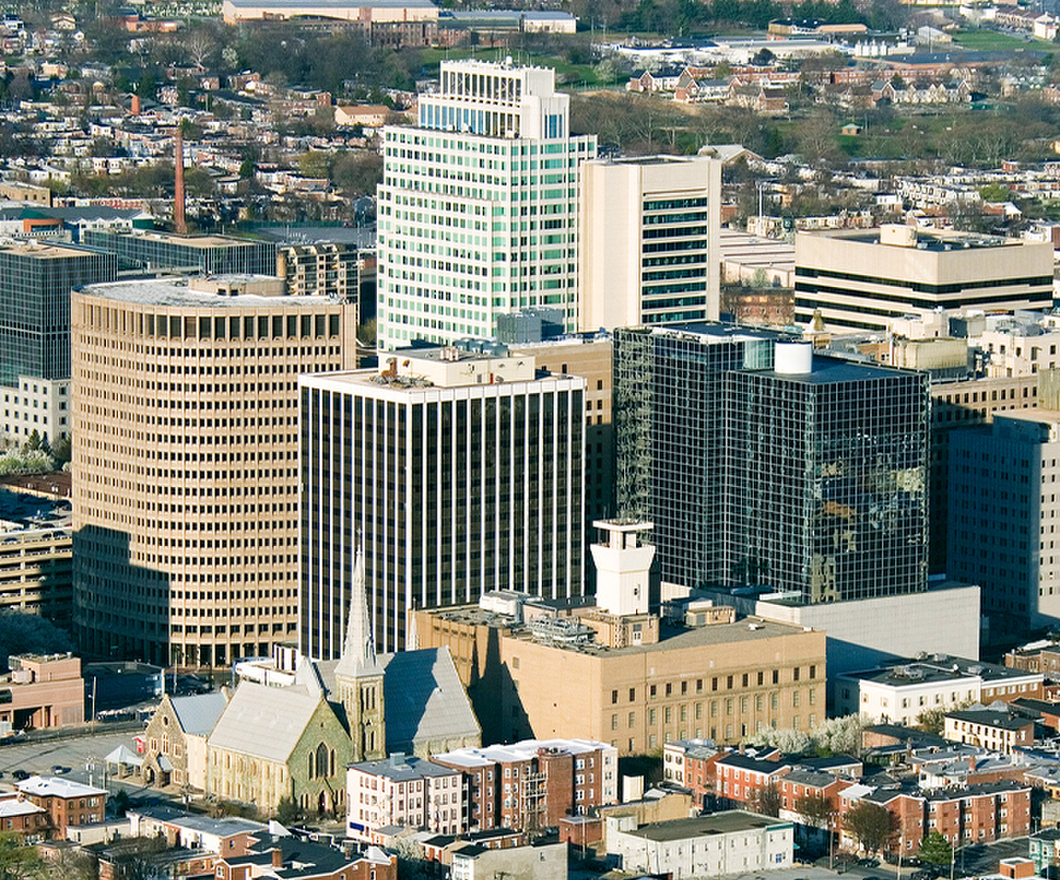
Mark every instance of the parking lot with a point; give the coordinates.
(78, 753)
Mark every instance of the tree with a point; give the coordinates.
(815, 809)
(18, 861)
(936, 849)
(199, 46)
(287, 811)
(872, 825)
(29, 634)
(766, 800)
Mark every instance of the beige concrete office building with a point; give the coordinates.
(650, 241)
(863, 280)
(725, 681)
(185, 467)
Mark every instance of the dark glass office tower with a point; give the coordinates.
(761, 464)
(35, 284)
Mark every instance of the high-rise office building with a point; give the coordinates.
(460, 473)
(478, 208)
(185, 478)
(761, 464)
(863, 280)
(1002, 501)
(35, 284)
(650, 241)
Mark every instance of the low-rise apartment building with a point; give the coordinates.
(66, 802)
(532, 784)
(402, 791)
(901, 692)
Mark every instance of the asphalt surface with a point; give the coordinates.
(82, 754)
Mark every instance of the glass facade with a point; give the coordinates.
(213, 255)
(35, 285)
(813, 483)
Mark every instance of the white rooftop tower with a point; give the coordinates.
(622, 566)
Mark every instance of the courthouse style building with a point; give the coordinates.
(724, 681)
(478, 208)
(461, 472)
(185, 477)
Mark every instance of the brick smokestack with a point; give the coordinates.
(179, 224)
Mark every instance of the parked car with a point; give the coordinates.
(20, 774)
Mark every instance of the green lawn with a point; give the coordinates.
(565, 72)
(987, 40)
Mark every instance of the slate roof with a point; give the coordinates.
(424, 699)
(198, 714)
(263, 721)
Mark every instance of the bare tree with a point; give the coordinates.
(199, 45)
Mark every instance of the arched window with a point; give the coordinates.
(322, 760)
(312, 765)
(331, 763)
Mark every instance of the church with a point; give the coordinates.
(295, 737)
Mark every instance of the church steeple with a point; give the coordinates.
(359, 675)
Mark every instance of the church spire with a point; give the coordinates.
(360, 676)
(358, 648)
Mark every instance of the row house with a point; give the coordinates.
(66, 802)
(973, 814)
(757, 97)
(699, 91)
(744, 778)
(532, 784)
(996, 729)
(663, 80)
(801, 784)
(925, 93)
(690, 763)
(402, 791)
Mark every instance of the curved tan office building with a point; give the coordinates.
(186, 462)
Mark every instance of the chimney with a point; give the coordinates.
(179, 224)
(277, 857)
(134, 105)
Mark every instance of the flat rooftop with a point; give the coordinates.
(938, 669)
(203, 242)
(670, 638)
(703, 826)
(828, 370)
(177, 292)
(927, 240)
(21, 512)
(40, 251)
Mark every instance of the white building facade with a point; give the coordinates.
(732, 842)
(478, 208)
(651, 230)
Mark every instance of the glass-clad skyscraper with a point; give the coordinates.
(478, 208)
(762, 464)
(35, 284)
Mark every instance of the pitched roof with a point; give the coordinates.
(424, 699)
(263, 721)
(198, 714)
